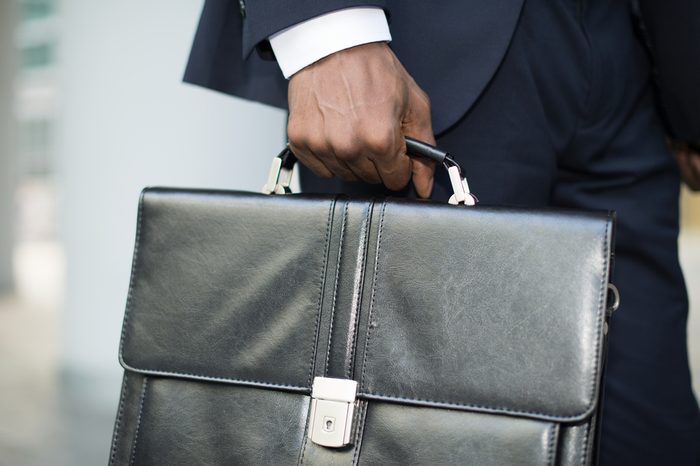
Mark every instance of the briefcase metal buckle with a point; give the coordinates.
(332, 411)
(462, 194)
(281, 172)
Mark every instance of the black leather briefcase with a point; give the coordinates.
(299, 329)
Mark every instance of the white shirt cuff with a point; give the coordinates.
(304, 43)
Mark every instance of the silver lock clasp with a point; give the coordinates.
(332, 411)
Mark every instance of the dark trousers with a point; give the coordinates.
(569, 121)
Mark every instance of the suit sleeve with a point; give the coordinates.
(263, 18)
(223, 58)
(673, 33)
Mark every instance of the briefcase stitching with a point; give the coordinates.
(209, 378)
(369, 395)
(118, 422)
(365, 230)
(551, 440)
(601, 310)
(306, 439)
(585, 450)
(134, 260)
(314, 342)
(335, 286)
(144, 386)
(303, 448)
(373, 294)
(359, 433)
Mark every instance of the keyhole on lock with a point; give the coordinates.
(329, 424)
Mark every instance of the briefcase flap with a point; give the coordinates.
(480, 309)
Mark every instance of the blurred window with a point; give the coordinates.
(35, 56)
(37, 9)
(34, 147)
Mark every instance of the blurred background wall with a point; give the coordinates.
(7, 136)
(92, 109)
(98, 111)
(127, 121)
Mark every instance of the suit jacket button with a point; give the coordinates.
(241, 6)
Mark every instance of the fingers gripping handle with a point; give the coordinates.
(460, 187)
(282, 168)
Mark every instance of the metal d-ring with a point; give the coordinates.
(615, 298)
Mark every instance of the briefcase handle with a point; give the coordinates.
(280, 176)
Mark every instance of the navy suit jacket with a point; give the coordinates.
(451, 48)
(673, 32)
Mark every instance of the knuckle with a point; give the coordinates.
(316, 144)
(300, 136)
(296, 133)
(380, 140)
(345, 148)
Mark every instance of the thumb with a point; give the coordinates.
(422, 169)
(417, 124)
(423, 172)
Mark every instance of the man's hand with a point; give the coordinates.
(688, 163)
(349, 113)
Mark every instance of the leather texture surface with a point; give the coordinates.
(221, 291)
(476, 334)
(187, 423)
(480, 439)
(509, 323)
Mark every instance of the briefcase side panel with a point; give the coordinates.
(227, 286)
(492, 310)
(576, 443)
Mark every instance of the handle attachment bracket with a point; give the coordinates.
(282, 169)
